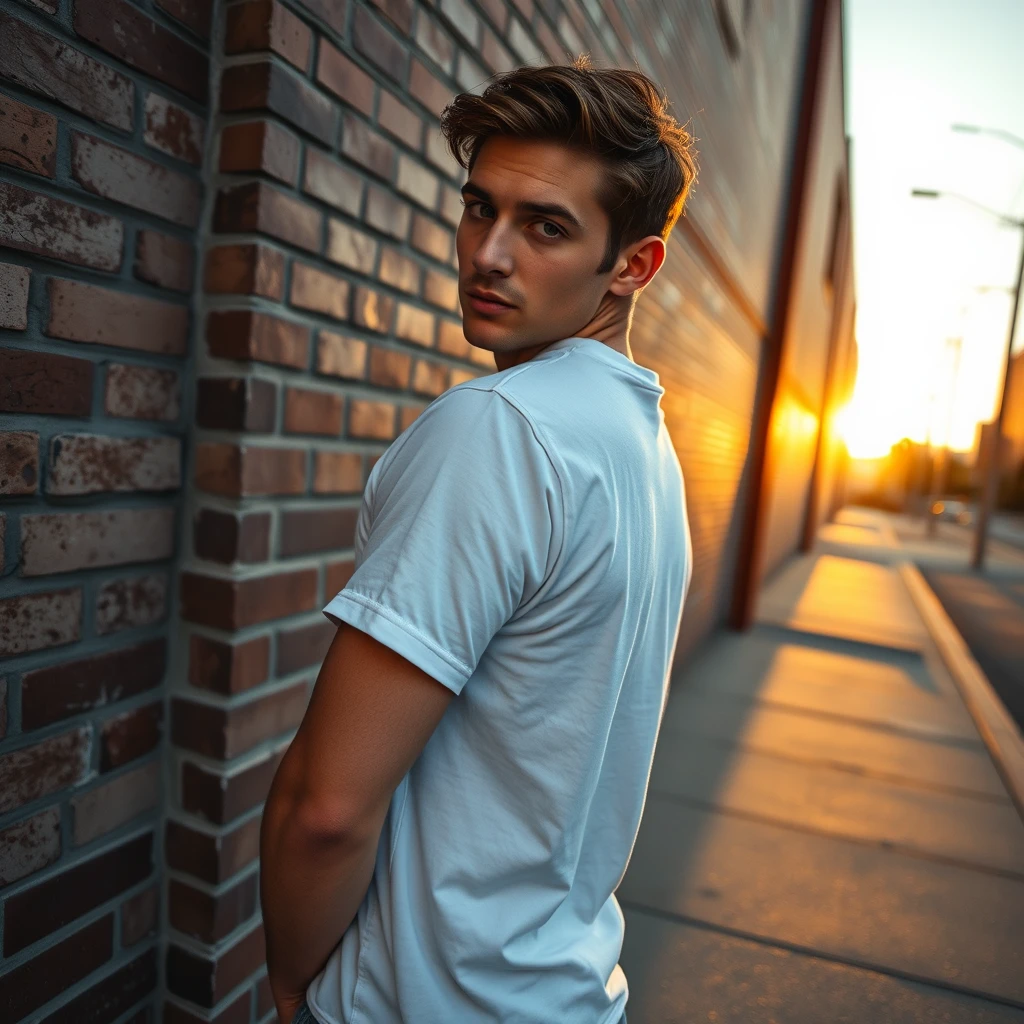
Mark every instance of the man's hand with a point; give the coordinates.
(370, 716)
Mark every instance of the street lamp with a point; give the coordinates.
(990, 485)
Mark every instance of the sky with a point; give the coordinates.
(929, 271)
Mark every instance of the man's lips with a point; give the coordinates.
(482, 302)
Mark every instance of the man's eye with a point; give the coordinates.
(554, 232)
(480, 209)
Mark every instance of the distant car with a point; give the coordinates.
(952, 511)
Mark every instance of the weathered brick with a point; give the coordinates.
(365, 147)
(328, 180)
(430, 238)
(206, 982)
(416, 182)
(427, 90)
(408, 415)
(139, 916)
(123, 31)
(114, 994)
(28, 137)
(212, 858)
(304, 531)
(52, 694)
(115, 803)
(268, 85)
(235, 603)
(389, 368)
(46, 65)
(19, 462)
(247, 335)
(163, 260)
(387, 213)
(228, 668)
(441, 290)
(238, 471)
(252, 269)
(303, 646)
(130, 735)
(432, 39)
(93, 463)
(451, 340)
(36, 912)
(142, 393)
(338, 356)
(371, 419)
(336, 576)
(32, 622)
(13, 295)
(312, 412)
(316, 290)
(130, 603)
(236, 403)
(415, 325)
(42, 977)
(29, 845)
(350, 248)
(372, 310)
(260, 147)
(398, 12)
(195, 14)
(34, 772)
(462, 19)
(267, 25)
(337, 472)
(211, 918)
(228, 537)
(68, 541)
(331, 12)
(61, 231)
(39, 382)
(223, 797)
(101, 316)
(118, 174)
(349, 83)
(371, 39)
(429, 378)
(257, 206)
(173, 130)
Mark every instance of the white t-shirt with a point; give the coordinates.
(525, 543)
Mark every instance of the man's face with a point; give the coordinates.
(530, 241)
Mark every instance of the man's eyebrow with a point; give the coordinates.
(545, 209)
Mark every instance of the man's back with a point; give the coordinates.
(525, 543)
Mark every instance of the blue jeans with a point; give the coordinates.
(305, 1017)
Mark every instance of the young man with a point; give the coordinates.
(444, 835)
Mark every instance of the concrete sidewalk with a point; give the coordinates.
(826, 837)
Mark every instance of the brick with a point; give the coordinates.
(430, 378)
(303, 647)
(372, 310)
(365, 147)
(252, 269)
(415, 325)
(28, 138)
(221, 798)
(129, 736)
(142, 393)
(495, 54)
(348, 82)
(399, 271)
(387, 213)
(398, 12)
(328, 180)
(19, 462)
(195, 14)
(237, 1012)
(247, 335)
(398, 120)
(441, 290)
(374, 42)
(462, 18)
(331, 12)
(34, 772)
(371, 419)
(100, 316)
(228, 668)
(482, 357)
(432, 39)
(268, 85)
(69, 541)
(226, 732)
(117, 174)
(92, 464)
(60, 691)
(29, 846)
(336, 576)
(319, 292)
(123, 31)
(236, 403)
(497, 11)
(206, 982)
(313, 412)
(112, 996)
(139, 916)
(227, 537)
(47, 66)
(337, 472)
(350, 248)
(258, 207)
(431, 93)
(451, 208)
(173, 130)
(130, 603)
(470, 75)
(32, 622)
(390, 369)
(163, 260)
(430, 238)
(260, 147)
(44, 976)
(267, 25)
(264, 997)
(408, 415)
(36, 912)
(58, 230)
(338, 356)
(242, 471)
(304, 531)
(212, 858)
(211, 918)
(13, 296)
(451, 340)
(236, 603)
(115, 803)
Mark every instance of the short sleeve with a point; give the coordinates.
(463, 525)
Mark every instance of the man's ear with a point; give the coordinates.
(637, 264)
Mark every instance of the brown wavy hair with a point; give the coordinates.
(616, 114)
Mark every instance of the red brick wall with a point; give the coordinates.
(102, 124)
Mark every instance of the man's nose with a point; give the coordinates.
(494, 254)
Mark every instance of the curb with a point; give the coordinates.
(997, 728)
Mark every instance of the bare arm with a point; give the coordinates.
(370, 716)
